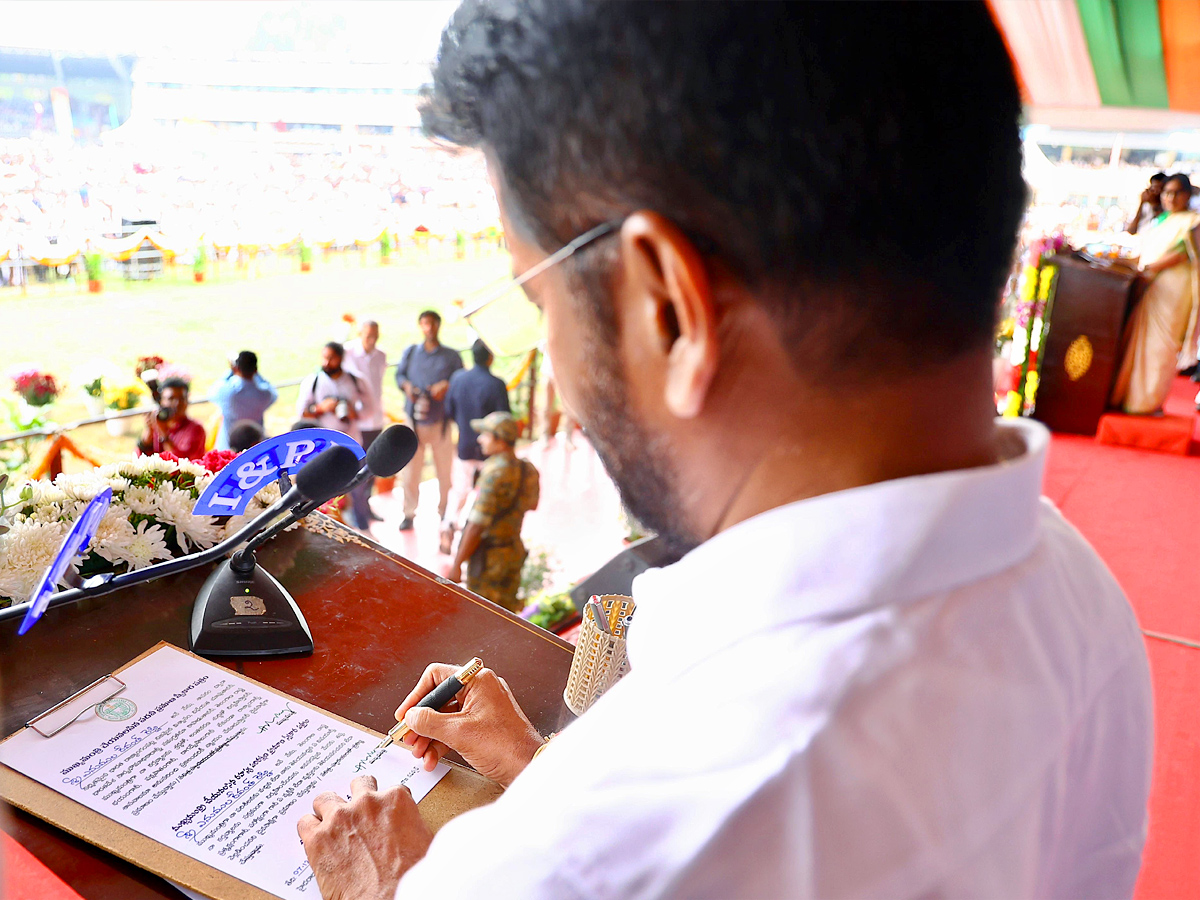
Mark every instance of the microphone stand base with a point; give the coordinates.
(243, 611)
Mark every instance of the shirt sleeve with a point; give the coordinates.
(272, 394)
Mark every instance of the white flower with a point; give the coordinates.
(80, 487)
(139, 546)
(25, 552)
(175, 508)
(44, 492)
(144, 501)
(119, 483)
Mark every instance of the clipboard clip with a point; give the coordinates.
(59, 716)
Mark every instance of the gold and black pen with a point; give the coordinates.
(438, 697)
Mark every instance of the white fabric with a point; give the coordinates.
(370, 367)
(928, 687)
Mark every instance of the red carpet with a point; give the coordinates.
(26, 878)
(1141, 511)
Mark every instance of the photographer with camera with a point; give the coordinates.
(169, 430)
(423, 374)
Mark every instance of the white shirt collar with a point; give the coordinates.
(841, 553)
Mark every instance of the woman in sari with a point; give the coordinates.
(1162, 330)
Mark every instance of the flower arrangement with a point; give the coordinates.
(36, 388)
(146, 363)
(1031, 318)
(125, 395)
(150, 520)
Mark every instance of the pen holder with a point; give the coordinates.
(600, 659)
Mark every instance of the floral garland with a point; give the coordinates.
(1035, 290)
(150, 519)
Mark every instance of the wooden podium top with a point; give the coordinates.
(377, 620)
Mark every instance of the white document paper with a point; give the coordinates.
(211, 765)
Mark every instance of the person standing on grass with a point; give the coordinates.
(244, 396)
(473, 393)
(423, 375)
(368, 362)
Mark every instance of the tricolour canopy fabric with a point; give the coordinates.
(1091, 53)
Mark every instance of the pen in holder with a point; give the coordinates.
(600, 659)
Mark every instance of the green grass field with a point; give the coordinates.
(282, 315)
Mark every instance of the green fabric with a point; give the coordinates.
(1124, 41)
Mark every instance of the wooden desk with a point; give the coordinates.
(377, 620)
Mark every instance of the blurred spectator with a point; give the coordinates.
(334, 398)
(244, 395)
(368, 362)
(491, 543)
(424, 376)
(245, 434)
(1150, 204)
(473, 393)
(170, 430)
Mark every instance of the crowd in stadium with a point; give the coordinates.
(249, 194)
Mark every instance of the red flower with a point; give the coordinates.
(216, 460)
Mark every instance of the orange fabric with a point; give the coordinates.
(1166, 434)
(1180, 21)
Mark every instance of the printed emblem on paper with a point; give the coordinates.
(1079, 358)
(118, 709)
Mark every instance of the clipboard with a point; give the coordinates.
(461, 789)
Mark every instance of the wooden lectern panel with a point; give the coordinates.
(1083, 348)
(377, 620)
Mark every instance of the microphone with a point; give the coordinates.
(242, 610)
(390, 452)
(322, 477)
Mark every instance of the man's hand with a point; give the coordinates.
(483, 723)
(453, 575)
(155, 426)
(409, 391)
(438, 391)
(359, 849)
(328, 405)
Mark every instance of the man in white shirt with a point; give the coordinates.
(884, 667)
(368, 362)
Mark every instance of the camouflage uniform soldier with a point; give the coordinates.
(491, 543)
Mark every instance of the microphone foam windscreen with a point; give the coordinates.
(327, 474)
(391, 451)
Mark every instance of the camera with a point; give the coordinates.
(342, 410)
(164, 414)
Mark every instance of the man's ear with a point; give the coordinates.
(671, 300)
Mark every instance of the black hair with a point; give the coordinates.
(430, 314)
(808, 147)
(1158, 176)
(247, 363)
(481, 353)
(244, 434)
(175, 382)
(1182, 179)
(337, 348)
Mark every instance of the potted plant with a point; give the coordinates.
(385, 248)
(199, 263)
(94, 264)
(305, 257)
(93, 396)
(36, 388)
(122, 397)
